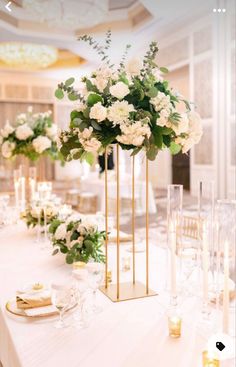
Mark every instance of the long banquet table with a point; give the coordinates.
(126, 334)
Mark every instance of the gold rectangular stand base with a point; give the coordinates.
(128, 291)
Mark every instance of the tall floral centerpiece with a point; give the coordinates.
(131, 105)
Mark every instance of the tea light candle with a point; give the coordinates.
(174, 323)
(209, 359)
(126, 263)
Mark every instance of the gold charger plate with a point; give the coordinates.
(11, 307)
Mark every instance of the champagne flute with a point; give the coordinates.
(61, 299)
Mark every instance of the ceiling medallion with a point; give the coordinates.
(68, 13)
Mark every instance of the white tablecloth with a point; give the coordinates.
(125, 334)
(96, 186)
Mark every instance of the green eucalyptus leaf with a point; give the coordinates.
(164, 70)
(59, 93)
(69, 81)
(175, 148)
(89, 157)
(73, 97)
(55, 251)
(94, 98)
(152, 92)
(95, 125)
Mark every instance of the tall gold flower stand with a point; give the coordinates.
(133, 289)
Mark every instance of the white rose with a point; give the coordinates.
(52, 131)
(7, 130)
(23, 132)
(61, 232)
(134, 66)
(92, 145)
(119, 112)
(41, 143)
(7, 149)
(119, 90)
(100, 83)
(98, 112)
(182, 126)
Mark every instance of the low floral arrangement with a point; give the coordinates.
(78, 239)
(131, 105)
(33, 216)
(33, 135)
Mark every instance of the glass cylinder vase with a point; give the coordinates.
(174, 230)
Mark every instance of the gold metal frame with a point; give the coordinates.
(135, 289)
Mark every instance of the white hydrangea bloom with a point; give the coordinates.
(161, 101)
(23, 132)
(119, 90)
(134, 134)
(7, 130)
(98, 112)
(41, 143)
(61, 232)
(119, 112)
(193, 134)
(7, 149)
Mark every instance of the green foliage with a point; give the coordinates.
(94, 98)
(175, 148)
(86, 245)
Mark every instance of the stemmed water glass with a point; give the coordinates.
(95, 279)
(81, 276)
(61, 299)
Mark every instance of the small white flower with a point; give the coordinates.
(134, 66)
(30, 109)
(80, 106)
(134, 134)
(157, 74)
(23, 132)
(163, 119)
(119, 112)
(7, 130)
(161, 101)
(52, 132)
(41, 143)
(61, 232)
(98, 112)
(119, 90)
(7, 149)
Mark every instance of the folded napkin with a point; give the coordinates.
(32, 300)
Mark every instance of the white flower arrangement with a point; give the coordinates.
(78, 238)
(32, 135)
(131, 105)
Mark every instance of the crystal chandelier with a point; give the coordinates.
(68, 13)
(27, 55)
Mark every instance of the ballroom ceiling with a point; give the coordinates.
(58, 23)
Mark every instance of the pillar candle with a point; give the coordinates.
(173, 259)
(205, 264)
(226, 289)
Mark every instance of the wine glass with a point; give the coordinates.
(81, 276)
(95, 278)
(61, 299)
